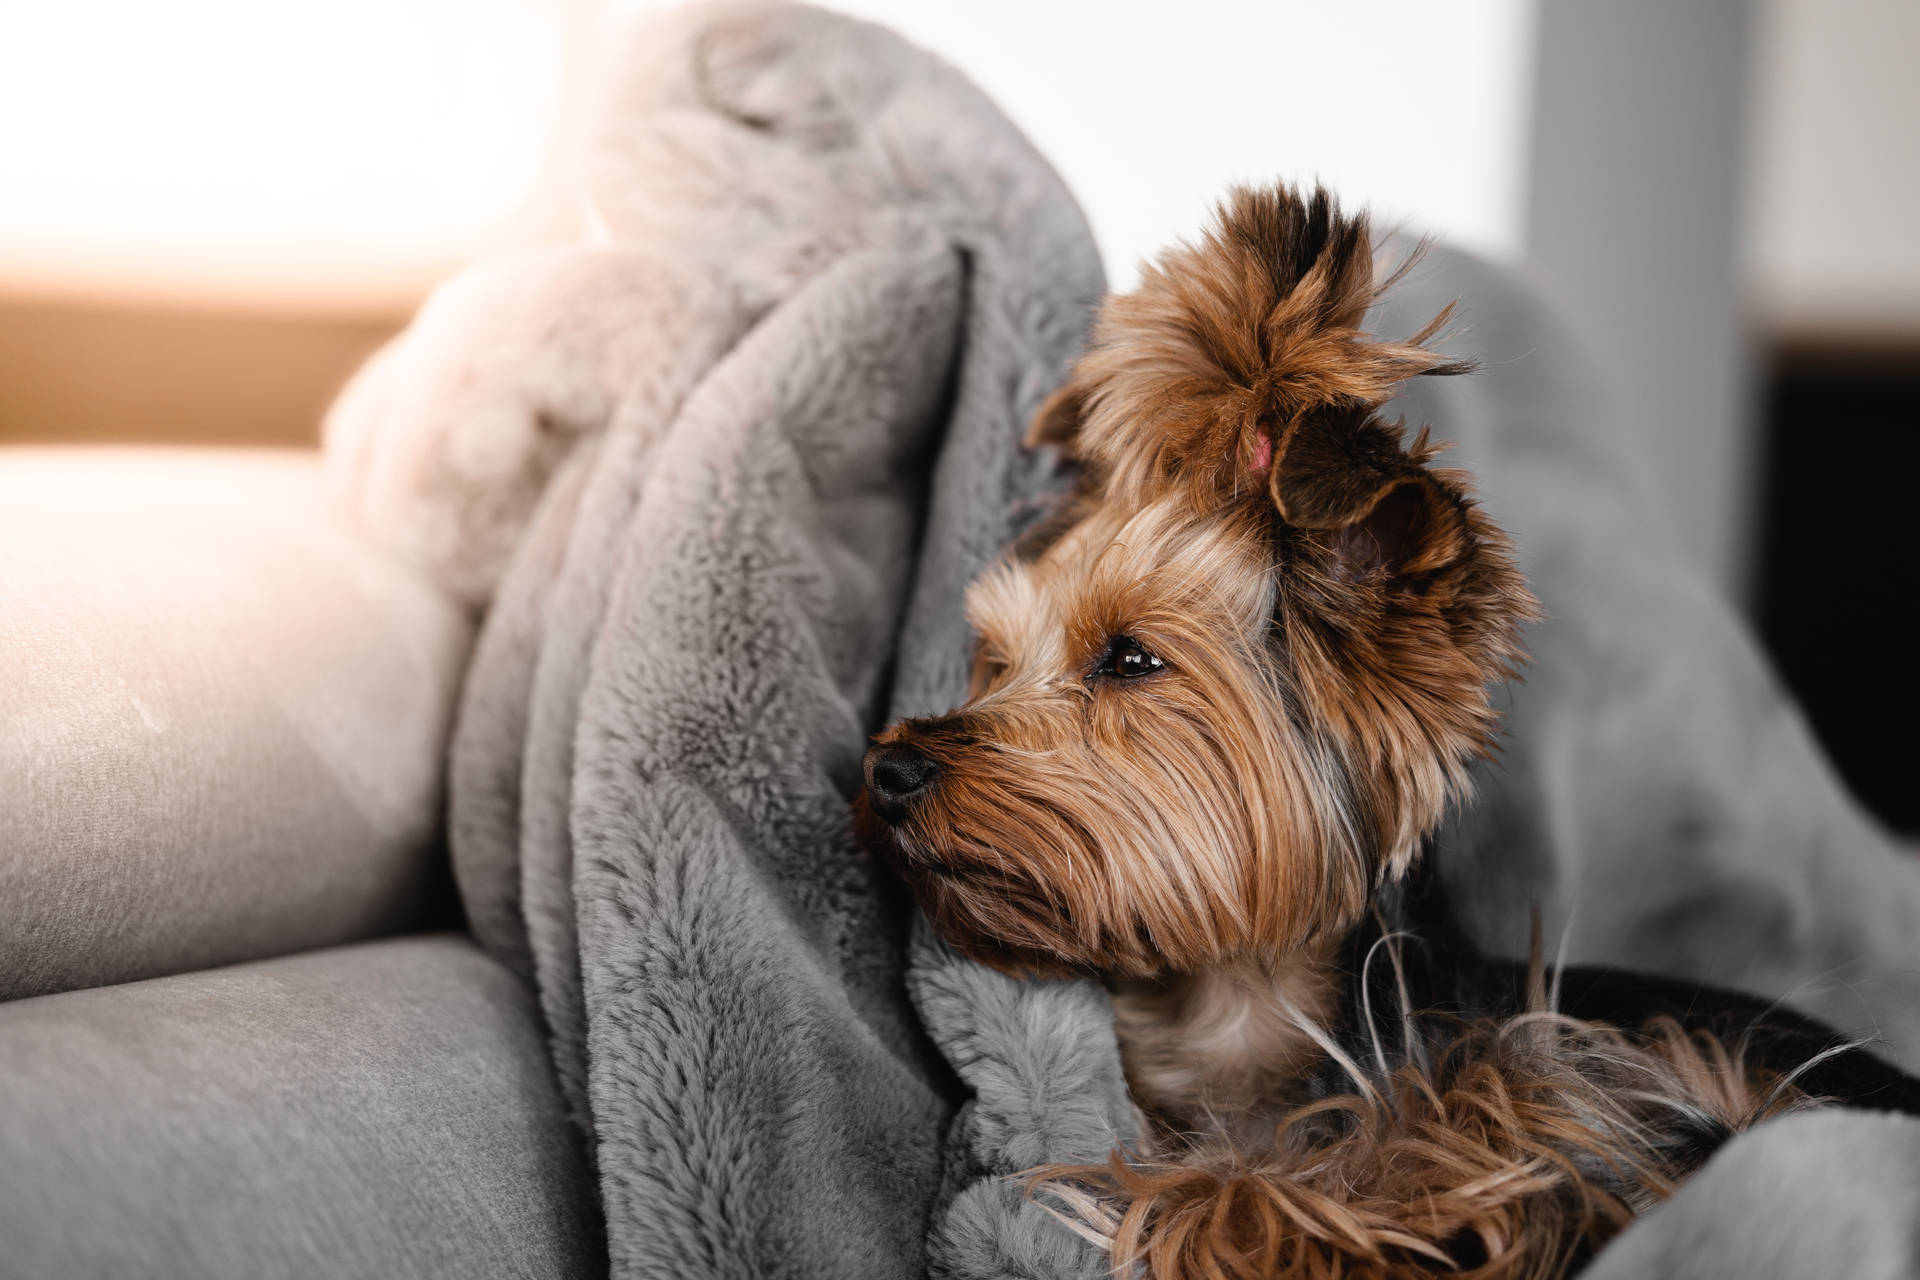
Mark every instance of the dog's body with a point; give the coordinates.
(1220, 703)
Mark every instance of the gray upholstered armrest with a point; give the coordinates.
(384, 1110)
(222, 720)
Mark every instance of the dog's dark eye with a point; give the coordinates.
(1126, 658)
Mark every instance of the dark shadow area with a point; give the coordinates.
(1836, 575)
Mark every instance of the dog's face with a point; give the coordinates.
(1234, 685)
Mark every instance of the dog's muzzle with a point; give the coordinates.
(897, 775)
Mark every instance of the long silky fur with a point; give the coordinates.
(1252, 328)
(1500, 1149)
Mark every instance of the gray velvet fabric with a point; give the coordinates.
(845, 282)
(223, 719)
(1043, 1069)
(381, 1111)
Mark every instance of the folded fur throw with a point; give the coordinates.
(718, 483)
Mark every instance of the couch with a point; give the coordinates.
(241, 1033)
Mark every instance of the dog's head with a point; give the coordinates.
(1226, 694)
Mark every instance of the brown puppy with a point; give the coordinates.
(1218, 705)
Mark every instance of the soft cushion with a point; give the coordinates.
(222, 718)
(384, 1110)
(1827, 1193)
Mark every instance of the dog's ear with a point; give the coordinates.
(1348, 475)
(1399, 603)
(1057, 421)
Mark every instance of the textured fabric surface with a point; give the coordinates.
(751, 548)
(382, 1111)
(1657, 793)
(841, 282)
(222, 718)
(1832, 1193)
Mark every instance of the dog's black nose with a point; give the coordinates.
(896, 773)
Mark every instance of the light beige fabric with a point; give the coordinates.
(222, 719)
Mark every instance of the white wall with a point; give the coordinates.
(1834, 248)
(1151, 109)
(257, 152)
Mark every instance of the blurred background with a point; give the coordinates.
(212, 210)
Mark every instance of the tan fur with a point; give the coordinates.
(1056, 840)
(1223, 1049)
(1325, 610)
(1524, 1147)
(1254, 329)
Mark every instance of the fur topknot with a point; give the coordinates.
(1229, 347)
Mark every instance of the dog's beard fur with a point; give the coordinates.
(1323, 611)
(1311, 719)
(1175, 820)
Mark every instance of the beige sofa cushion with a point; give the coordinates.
(222, 719)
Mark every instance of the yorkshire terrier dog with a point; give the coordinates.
(1220, 702)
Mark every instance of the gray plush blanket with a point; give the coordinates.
(719, 481)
